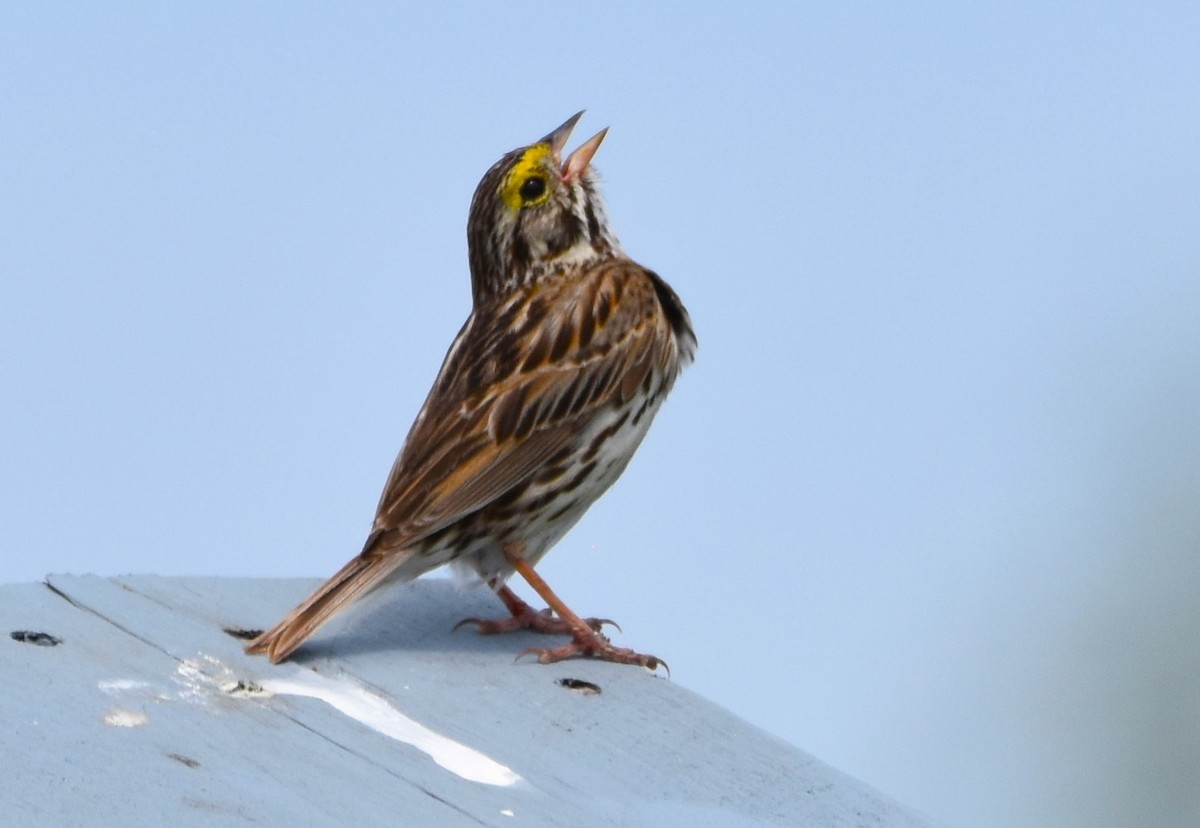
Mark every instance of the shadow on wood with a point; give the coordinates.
(126, 701)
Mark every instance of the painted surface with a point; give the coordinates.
(147, 710)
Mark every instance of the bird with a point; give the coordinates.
(543, 397)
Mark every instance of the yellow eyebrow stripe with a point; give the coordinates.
(532, 162)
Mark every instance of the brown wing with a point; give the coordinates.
(516, 387)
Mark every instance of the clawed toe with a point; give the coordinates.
(536, 621)
(587, 634)
(543, 621)
(597, 624)
(595, 646)
(478, 622)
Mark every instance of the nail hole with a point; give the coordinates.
(184, 760)
(244, 635)
(39, 639)
(579, 686)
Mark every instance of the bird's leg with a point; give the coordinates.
(525, 617)
(586, 638)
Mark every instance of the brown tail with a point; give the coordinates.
(353, 581)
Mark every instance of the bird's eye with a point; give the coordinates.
(533, 188)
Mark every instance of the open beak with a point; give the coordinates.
(578, 160)
(558, 138)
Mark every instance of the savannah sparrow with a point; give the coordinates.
(543, 398)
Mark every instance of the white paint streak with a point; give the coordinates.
(377, 713)
(206, 678)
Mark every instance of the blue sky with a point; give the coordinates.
(925, 506)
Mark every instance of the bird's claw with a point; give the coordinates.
(595, 647)
(543, 621)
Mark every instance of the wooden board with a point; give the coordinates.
(148, 713)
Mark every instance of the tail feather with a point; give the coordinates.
(354, 580)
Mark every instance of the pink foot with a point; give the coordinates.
(593, 644)
(587, 636)
(527, 618)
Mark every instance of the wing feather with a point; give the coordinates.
(517, 387)
(487, 426)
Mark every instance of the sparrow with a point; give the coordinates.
(542, 399)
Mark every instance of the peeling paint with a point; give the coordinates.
(377, 713)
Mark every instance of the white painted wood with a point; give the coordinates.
(148, 713)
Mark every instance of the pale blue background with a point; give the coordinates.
(927, 504)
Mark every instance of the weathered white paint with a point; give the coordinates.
(351, 698)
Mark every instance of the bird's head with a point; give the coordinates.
(535, 214)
